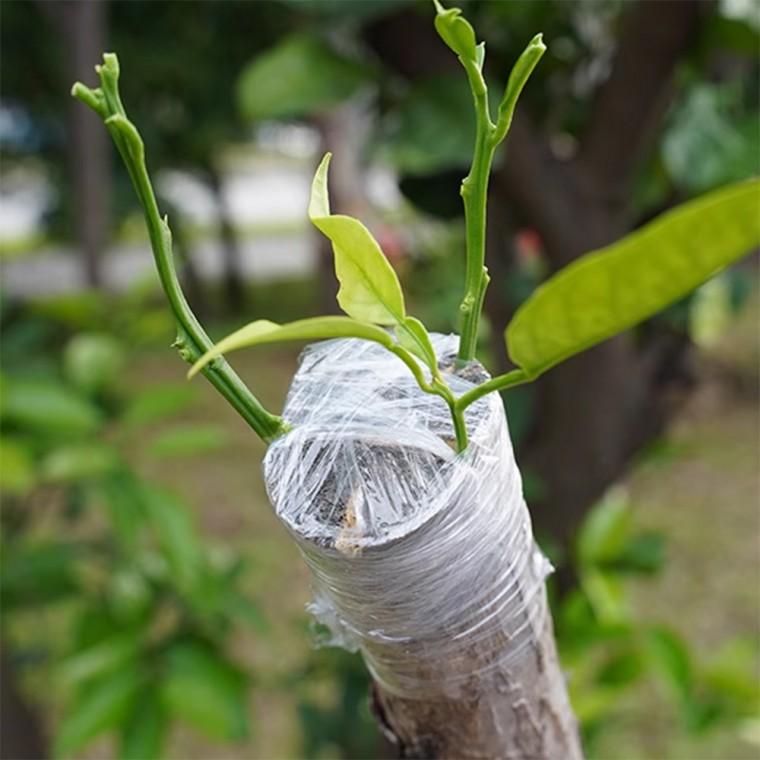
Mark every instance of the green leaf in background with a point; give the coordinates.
(77, 462)
(414, 337)
(106, 656)
(610, 290)
(93, 361)
(703, 147)
(156, 403)
(98, 708)
(238, 606)
(188, 440)
(298, 77)
(35, 574)
(17, 471)
(606, 595)
(48, 407)
(605, 530)
(122, 497)
(369, 288)
(670, 658)
(206, 691)
(143, 734)
(456, 32)
(315, 328)
(176, 534)
(433, 128)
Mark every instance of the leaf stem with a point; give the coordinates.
(192, 340)
(499, 383)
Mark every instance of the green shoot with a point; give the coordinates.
(192, 340)
(457, 33)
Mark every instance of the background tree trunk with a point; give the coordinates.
(22, 735)
(233, 281)
(83, 27)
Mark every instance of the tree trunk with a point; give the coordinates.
(22, 736)
(517, 712)
(84, 30)
(422, 560)
(233, 280)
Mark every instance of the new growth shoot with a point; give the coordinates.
(595, 297)
(192, 340)
(457, 33)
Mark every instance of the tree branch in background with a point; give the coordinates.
(630, 104)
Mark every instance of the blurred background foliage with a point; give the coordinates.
(150, 604)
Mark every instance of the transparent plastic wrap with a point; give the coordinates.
(422, 558)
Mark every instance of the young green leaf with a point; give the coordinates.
(413, 336)
(457, 33)
(263, 331)
(610, 290)
(369, 288)
(522, 69)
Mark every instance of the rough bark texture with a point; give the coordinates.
(518, 712)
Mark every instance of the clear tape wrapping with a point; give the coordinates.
(422, 559)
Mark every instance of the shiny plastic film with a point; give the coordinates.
(423, 559)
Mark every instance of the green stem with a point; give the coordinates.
(460, 428)
(474, 193)
(437, 387)
(499, 383)
(192, 341)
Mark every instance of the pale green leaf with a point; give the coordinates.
(369, 288)
(610, 290)
(413, 336)
(314, 328)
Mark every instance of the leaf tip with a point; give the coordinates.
(538, 43)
